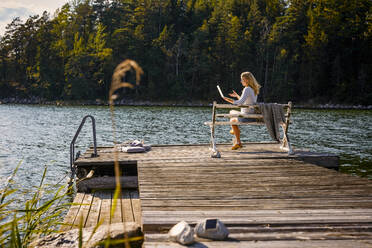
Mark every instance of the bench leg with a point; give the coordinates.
(215, 152)
(286, 145)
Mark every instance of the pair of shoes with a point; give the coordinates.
(232, 132)
(236, 146)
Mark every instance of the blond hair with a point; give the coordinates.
(252, 82)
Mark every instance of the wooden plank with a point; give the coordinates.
(276, 165)
(93, 216)
(248, 183)
(367, 211)
(268, 236)
(233, 168)
(116, 204)
(363, 212)
(244, 182)
(251, 204)
(241, 218)
(253, 163)
(83, 213)
(73, 211)
(301, 227)
(136, 206)
(249, 207)
(264, 164)
(268, 244)
(237, 158)
(127, 207)
(205, 166)
(258, 188)
(268, 185)
(104, 216)
(246, 170)
(187, 179)
(234, 194)
(268, 201)
(244, 158)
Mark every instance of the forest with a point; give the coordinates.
(306, 51)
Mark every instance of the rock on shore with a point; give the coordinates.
(71, 238)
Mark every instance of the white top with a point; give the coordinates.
(247, 97)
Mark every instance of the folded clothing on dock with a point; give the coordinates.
(132, 149)
(133, 146)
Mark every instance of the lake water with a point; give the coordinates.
(40, 135)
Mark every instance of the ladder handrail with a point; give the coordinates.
(72, 145)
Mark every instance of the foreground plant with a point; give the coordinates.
(37, 218)
(117, 82)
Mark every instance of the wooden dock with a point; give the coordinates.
(264, 196)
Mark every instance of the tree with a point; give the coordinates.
(85, 69)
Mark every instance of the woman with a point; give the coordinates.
(249, 96)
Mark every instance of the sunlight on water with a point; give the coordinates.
(40, 135)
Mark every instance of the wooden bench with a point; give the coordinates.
(285, 144)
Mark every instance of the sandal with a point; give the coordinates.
(236, 146)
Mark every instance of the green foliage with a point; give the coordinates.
(85, 68)
(38, 216)
(318, 50)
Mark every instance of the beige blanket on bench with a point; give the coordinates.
(273, 115)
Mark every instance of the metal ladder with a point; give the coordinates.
(74, 157)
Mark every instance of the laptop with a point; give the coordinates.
(219, 90)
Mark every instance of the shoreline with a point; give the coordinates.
(144, 103)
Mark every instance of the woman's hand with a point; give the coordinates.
(234, 94)
(228, 99)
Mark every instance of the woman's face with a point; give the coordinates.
(244, 81)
